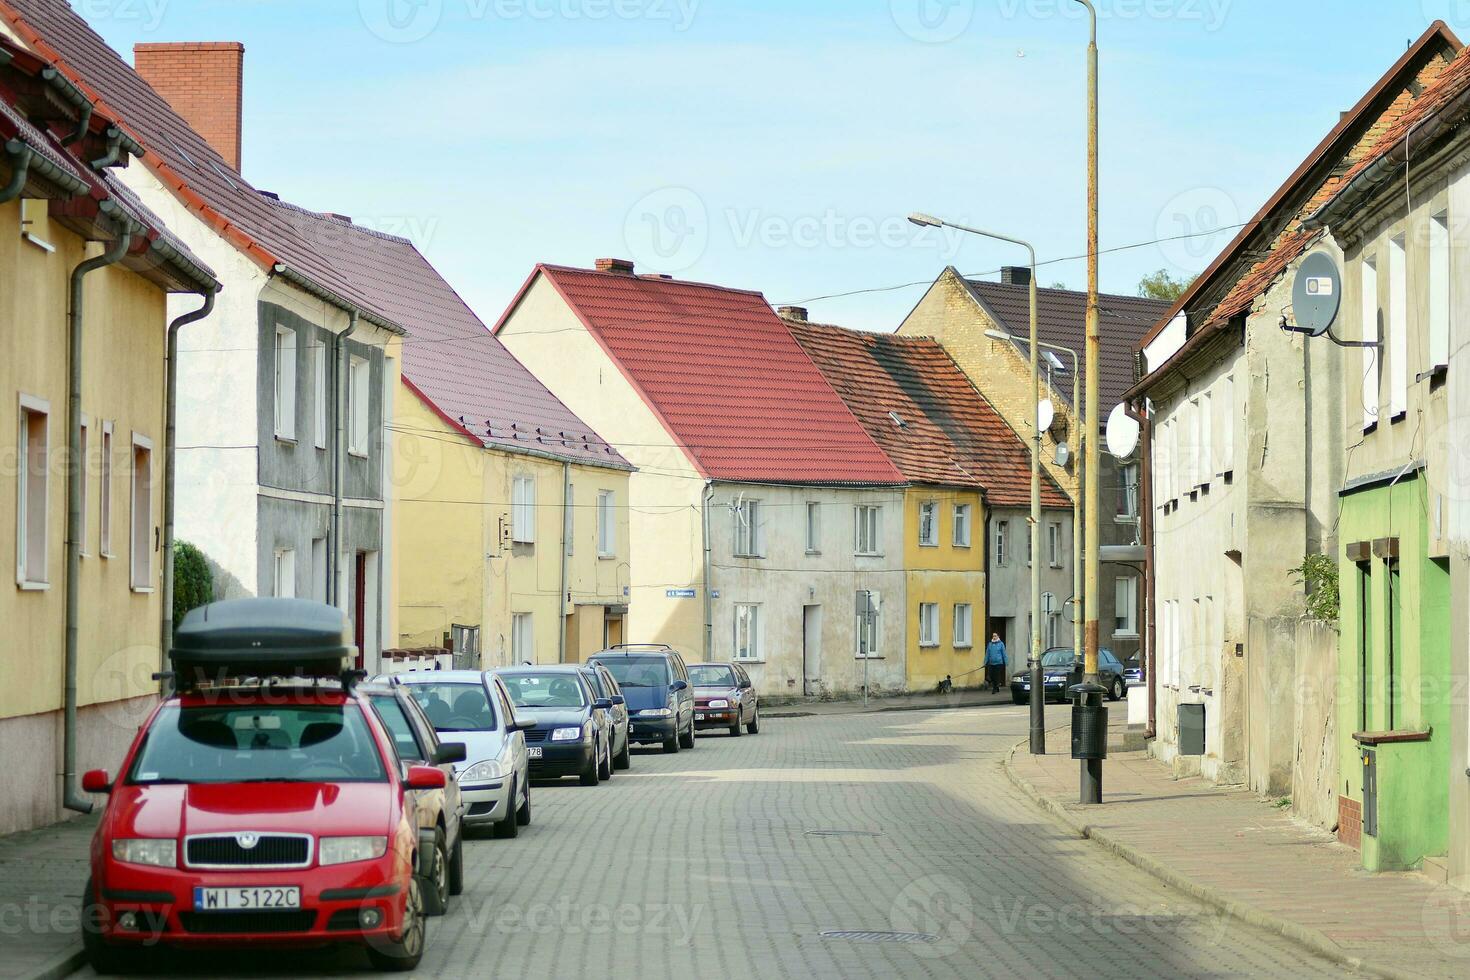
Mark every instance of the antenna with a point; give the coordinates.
(1046, 414)
(1123, 432)
(1316, 299)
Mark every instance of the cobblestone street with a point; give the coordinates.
(736, 859)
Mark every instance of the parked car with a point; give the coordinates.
(655, 680)
(570, 732)
(272, 810)
(605, 686)
(725, 698)
(473, 707)
(1061, 669)
(440, 810)
(1133, 671)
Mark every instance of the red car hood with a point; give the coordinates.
(703, 695)
(322, 809)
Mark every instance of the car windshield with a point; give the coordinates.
(1057, 658)
(711, 675)
(548, 690)
(317, 743)
(638, 671)
(454, 707)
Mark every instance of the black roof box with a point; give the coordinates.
(262, 638)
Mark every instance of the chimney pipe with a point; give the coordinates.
(203, 81)
(1015, 275)
(623, 267)
(797, 313)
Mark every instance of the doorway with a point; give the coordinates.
(811, 650)
(359, 607)
(612, 632)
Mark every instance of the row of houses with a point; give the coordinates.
(621, 457)
(1286, 468)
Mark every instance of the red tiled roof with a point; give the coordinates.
(1061, 319)
(733, 387)
(450, 358)
(950, 435)
(183, 160)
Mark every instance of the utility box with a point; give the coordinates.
(1089, 731)
(1191, 729)
(1370, 793)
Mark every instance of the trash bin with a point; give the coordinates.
(1089, 730)
(1191, 729)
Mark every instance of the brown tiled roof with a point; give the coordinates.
(946, 434)
(1061, 319)
(450, 358)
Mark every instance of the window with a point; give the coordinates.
(285, 381)
(522, 646)
(1206, 470)
(1227, 425)
(1125, 605)
(1002, 541)
(32, 493)
(1439, 290)
(319, 569)
(84, 474)
(1398, 330)
(1031, 530)
(961, 525)
(813, 528)
(964, 624)
(285, 574)
(523, 510)
(319, 384)
(868, 612)
(1164, 478)
(142, 513)
(104, 517)
(607, 524)
(928, 624)
(1054, 544)
(1192, 467)
(1128, 492)
(869, 529)
(1372, 359)
(1053, 630)
(358, 374)
(929, 524)
(749, 535)
(747, 631)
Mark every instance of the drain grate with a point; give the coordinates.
(875, 936)
(844, 833)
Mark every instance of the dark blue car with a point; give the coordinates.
(1061, 669)
(570, 735)
(655, 682)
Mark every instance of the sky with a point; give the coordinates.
(778, 145)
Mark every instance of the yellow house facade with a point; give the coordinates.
(945, 581)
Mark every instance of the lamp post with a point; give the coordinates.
(1076, 497)
(1038, 692)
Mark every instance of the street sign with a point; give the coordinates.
(681, 593)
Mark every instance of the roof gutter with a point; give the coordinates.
(20, 169)
(45, 168)
(118, 142)
(301, 282)
(60, 84)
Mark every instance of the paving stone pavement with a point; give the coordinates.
(42, 875)
(1246, 850)
(705, 863)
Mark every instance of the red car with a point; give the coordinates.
(724, 698)
(260, 808)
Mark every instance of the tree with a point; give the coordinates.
(1161, 285)
(193, 581)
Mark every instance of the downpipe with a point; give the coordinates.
(20, 169)
(709, 594)
(339, 460)
(1146, 525)
(72, 797)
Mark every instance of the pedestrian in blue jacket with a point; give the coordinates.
(996, 662)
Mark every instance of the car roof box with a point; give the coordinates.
(262, 638)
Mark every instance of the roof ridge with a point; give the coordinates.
(1069, 292)
(653, 279)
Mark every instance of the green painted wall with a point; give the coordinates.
(1407, 641)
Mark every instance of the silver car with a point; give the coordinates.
(473, 707)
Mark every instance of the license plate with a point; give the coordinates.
(533, 752)
(699, 716)
(236, 899)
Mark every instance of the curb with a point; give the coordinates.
(804, 711)
(63, 965)
(1245, 912)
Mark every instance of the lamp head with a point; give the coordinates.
(925, 220)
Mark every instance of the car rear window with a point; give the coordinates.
(318, 743)
(711, 676)
(638, 671)
(461, 707)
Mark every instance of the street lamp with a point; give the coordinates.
(1038, 692)
(1076, 497)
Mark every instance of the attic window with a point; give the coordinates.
(898, 420)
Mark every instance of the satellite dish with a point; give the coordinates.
(1064, 454)
(1317, 294)
(1045, 415)
(1122, 433)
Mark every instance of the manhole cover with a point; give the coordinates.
(843, 833)
(874, 936)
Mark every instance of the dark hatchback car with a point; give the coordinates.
(655, 683)
(1061, 668)
(570, 729)
(725, 698)
(604, 685)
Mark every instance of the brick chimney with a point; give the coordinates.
(1015, 275)
(623, 267)
(203, 81)
(797, 313)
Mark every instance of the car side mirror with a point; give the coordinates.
(426, 777)
(603, 703)
(618, 699)
(745, 685)
(520, 723)
(679, 686)
(449, 752)
(97, 781)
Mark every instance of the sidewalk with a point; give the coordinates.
(1238, 852)
(802, 708)
(42, 875)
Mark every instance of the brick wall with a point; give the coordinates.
(1350, 822)
(203, 81)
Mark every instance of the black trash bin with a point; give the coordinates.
(1089, 730)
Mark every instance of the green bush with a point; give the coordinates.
(1319, 574)
(193, 582)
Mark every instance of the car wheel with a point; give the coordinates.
(672, 743)
(605, 767)
(624, 759)
(507, 826)
(404, 955)
(755, 723)
(102, 955)
(588, 775)
(523, 814)
(436, 880)
(735, 728)
(687, 739)
(1120, 690)
(456, 866)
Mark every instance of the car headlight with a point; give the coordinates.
(483, 772)
(719, 703)
(159, 853)
(566, 734)
(656, 712)
(341, 850)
